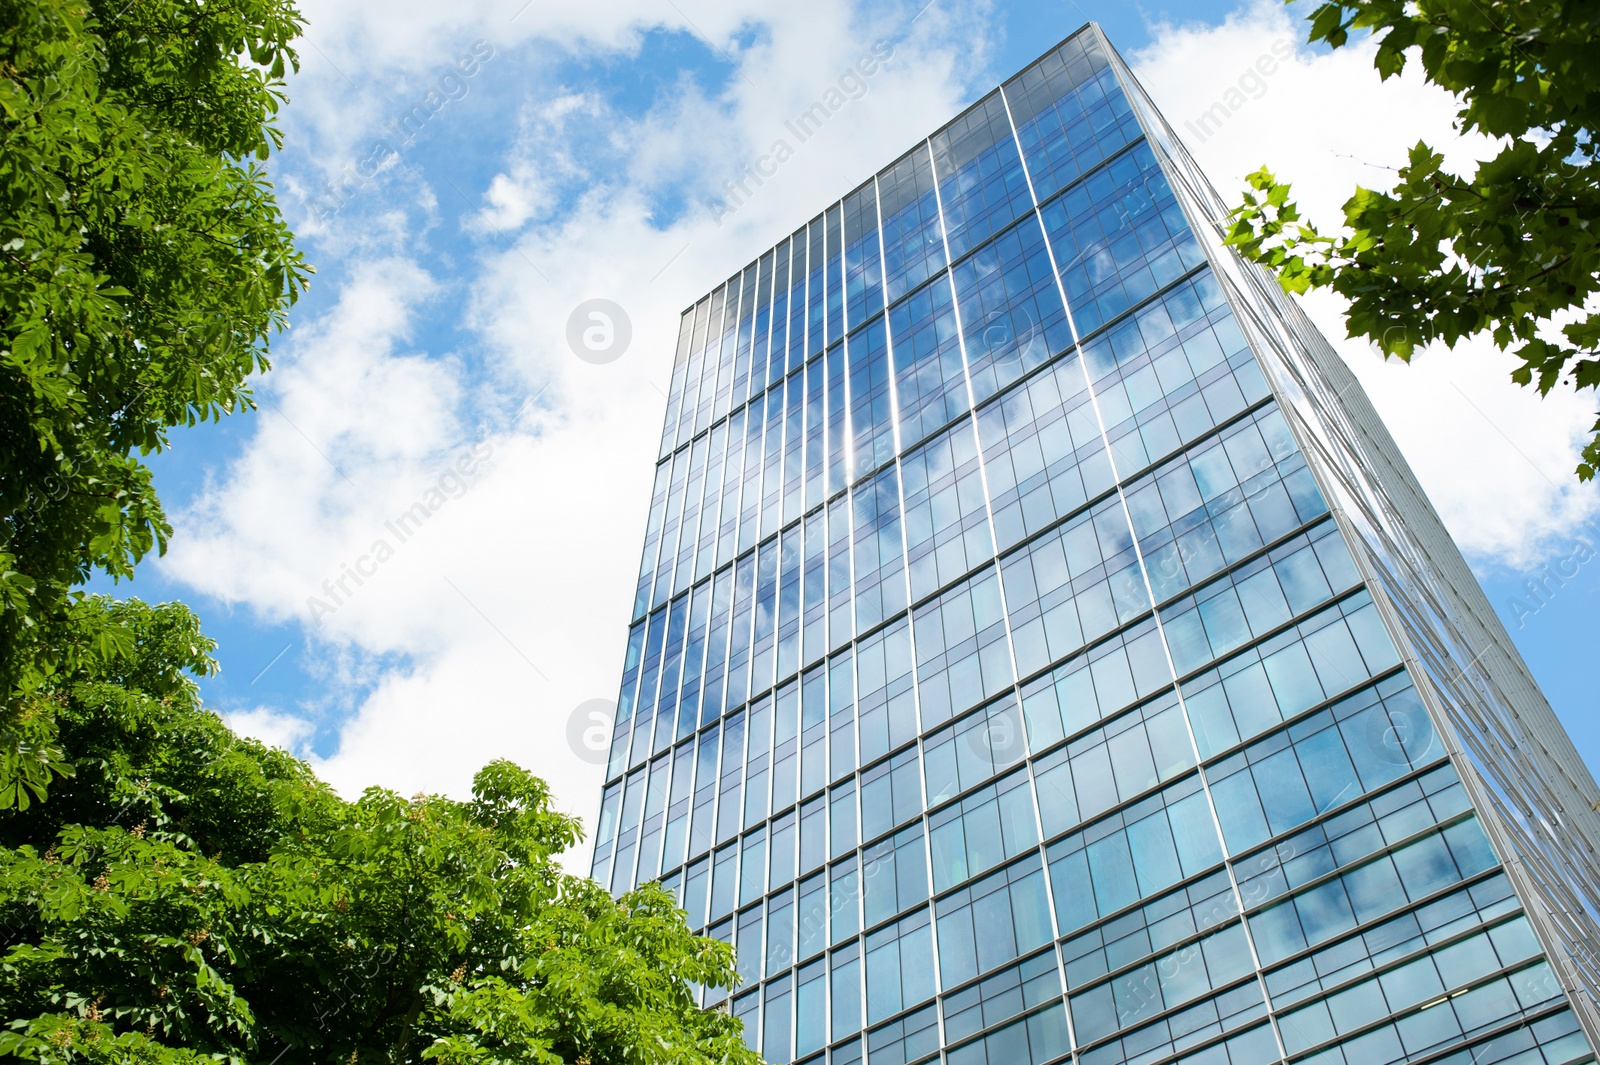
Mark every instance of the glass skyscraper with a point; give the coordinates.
(1042, 653)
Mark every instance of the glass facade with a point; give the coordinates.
(1041, 654)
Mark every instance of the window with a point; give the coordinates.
(730, 783)
(813, 730)
(863, 268)
(1228, 1011)
(899, 964)
(1333, 757)
(1095, 685)
(1119, 237)
(947, 524)
(981, 180)
(780, 931)
(1170, 373)
(992, 922)
(962, 653)
(1069, 112)
(1391, 940)
(748, 946)
(785, 747)
(812, 916)
(753, 867)
(844, 894)
(891, 794)
(894, 876)
(696, 886)
(1370, 890)
(677, 833)
(783, 849)
(1289, 673)
(871, 415)
(724, 881)
(1124, 758)
(1401, 989)
(1000, 997)
(845, 980)
(747, 1008)
(930, 376)
(1263, 594)
(758, 775)
(842, 818)
(1011, 312)
(1072, 586)
(913, 239)
(907, 1041)
(838, 439)
(813, 834)
(609, 804)
(724, 932)
(841, 716)
(811, 1008)
(711, 699)
(982, 830)
(1043, 455)
(1434, 798)
(1133, 854)
(775, 1033)
(973, 750)
(879, 557)
(888, 709)
(789, 596)
(1220, 500)
(1162, 983)
(1033, 1040)
(764, 638)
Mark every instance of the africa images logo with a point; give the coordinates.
(599, 331)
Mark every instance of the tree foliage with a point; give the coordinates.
(1509, 250)
(187, 894)
(143, 265)
(169, 892)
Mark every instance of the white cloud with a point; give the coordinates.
(1496, 460)
(271, 727)
(508, 607)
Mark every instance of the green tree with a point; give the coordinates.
(180, 894)
(143, 265)
(187, 894)
(1509, 250)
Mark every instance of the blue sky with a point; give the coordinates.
(561, 151)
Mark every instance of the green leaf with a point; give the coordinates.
(1509, 251)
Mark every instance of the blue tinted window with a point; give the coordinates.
(992, 922)
(947, 524)
(913, 239)
(983, 830)
(879, 554)
(899, 966)
(1073, 586)
(930, 376)
(1113, 764)
(894, 875)
(981, 180)
(1069, 112)
(811, 1005)
(1119, 237)
(863, 264)
(1012, 317)
(1132, 854)
(1043, 453)
(962, 655)
(845, 981)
